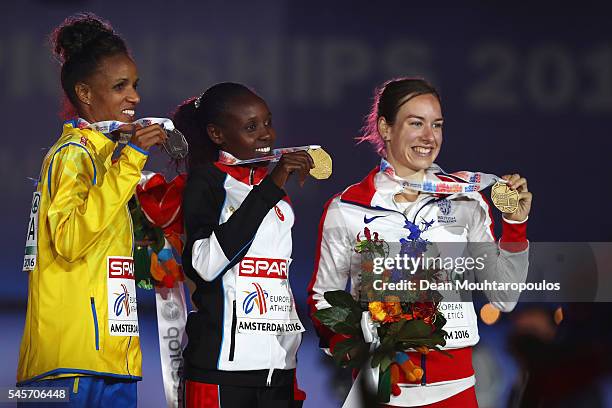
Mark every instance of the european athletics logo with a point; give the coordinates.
(122, 302)
(257, 297)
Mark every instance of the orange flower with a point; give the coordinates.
(377, 311)
(393, 308)
(406, 316)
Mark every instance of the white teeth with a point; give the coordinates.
(128, 112)
(422, 150)
(263, 150)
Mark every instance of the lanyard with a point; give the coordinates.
(473, 181)
(228, 159)
(109, 126)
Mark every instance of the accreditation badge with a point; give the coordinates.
(122, 313)
(29, 258)
(264, 302)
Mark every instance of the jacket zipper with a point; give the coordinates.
(127, 350)
(129, 215)
(95, 322)
(252, 176)
(271, 363)
(423, 365)
(127, 357)
(233, 334)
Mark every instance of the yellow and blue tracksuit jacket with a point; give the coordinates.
(83, 220)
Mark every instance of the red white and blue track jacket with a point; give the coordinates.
(457, 218)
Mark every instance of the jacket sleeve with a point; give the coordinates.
(216, 247)
(81, 208)
(332, 265)
(505, 261)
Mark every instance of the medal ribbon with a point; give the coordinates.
(109, 126)
(228, 159)
(473, 181)
(176, 145)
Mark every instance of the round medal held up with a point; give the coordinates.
(322, 162)
(504, 199)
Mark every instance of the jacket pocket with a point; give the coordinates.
(95, 322)
(233, 333)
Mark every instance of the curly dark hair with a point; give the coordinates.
(80, 43)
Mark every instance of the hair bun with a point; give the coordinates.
(76, 32)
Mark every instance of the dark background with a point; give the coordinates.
(525, 88)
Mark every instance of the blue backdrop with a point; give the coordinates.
(525, 88)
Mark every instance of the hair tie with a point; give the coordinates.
(197, 101)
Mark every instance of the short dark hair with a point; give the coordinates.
(388, 99)
(80, 43)
(193, 116)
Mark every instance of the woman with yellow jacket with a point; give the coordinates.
(81, 329)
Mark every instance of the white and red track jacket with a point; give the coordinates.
(457, 218)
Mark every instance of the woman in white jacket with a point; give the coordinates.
(405, 127)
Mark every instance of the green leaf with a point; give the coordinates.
(386, 362)
(380, 353)
(158, 240)
(338, 319)
(440, 321)
(355, 347)
(342, 348)
(360, 354)
(414, 343)
(438, 337)
(142, 264)
(414, 329)
(379, 251)
(395, 328)
(384, 386)
(343, 299)
(388, 342)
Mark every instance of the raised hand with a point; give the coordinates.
(290, 163)
(518, 183)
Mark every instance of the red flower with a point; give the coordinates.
(425, 311)
(161, 202)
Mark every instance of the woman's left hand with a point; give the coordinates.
(518, 183)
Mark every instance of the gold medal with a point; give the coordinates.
(322, 162)
(504, 198)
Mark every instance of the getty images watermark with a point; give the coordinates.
(444, 274)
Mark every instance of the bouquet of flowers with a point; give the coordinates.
(411, 323)
(158, 229)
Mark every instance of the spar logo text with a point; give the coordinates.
(263, 268)
(120, 267)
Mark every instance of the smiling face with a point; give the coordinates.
(414, 139)
(110, 93)
(246, 131)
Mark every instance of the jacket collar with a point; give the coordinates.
(103, 145)
(247, 175)
(381, 184)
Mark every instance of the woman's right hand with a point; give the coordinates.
(289, 163)
(145, 137)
